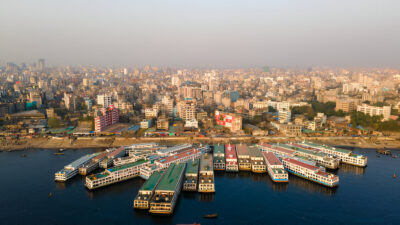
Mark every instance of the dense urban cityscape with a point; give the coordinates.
(39, 101)
(179, 112)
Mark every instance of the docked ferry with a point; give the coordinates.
(94, 164)
(206, 175)
(231, 158)
(309, 172)
(257, 160)
(146, 192)
(345, 155)
(275, 168)
(219, 157)
(321, 158)
(115, 174)
(243, 157)
(168, 190)
(182, 156)
(191, 175)
(72, 169)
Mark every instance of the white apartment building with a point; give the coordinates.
(105, 100)
(375, 110)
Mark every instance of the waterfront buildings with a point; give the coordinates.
(108, 117)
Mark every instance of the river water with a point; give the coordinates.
(365, 196)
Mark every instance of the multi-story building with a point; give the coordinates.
(168, 105)
(150, 113)
(162, 123)
(187, 109)
(285, 116)
(69, 101)
(229, 120)
(190, 92)
(105, 100)
(375, 110)
(35, 97)
(345, 104)
(109, 117)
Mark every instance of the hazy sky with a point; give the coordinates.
(202, 33)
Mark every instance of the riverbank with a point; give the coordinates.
(107, 142)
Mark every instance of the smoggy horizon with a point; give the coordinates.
(207, 34)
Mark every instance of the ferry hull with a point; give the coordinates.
(110, 183)
(141, 207)
(277, 180)
(354, 164)
(315, 181)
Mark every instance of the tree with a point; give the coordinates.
(53, 122)
(326, 108)
(271, 109)
(304, 110)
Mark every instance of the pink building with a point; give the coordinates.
(109, 117)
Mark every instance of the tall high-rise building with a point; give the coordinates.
(168, 105)
(69, 101)
(41, 64)
(35, 97)
(105, 100)
(187, 109)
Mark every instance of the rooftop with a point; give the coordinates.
(152, 182)
(271, 158)
(219, 149)
(307, 166)
(125, 166)
(242, 149)
(192, 166)
(206, 163)
(255, 152)
(171, 177)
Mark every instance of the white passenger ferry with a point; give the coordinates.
(72, 169)
(345, 155)
(309, 172)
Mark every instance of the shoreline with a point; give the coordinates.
(108, 142)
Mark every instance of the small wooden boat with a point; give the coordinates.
(211, 216)
(58, 153)
(50, 195)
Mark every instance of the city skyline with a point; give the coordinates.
(227, 34)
